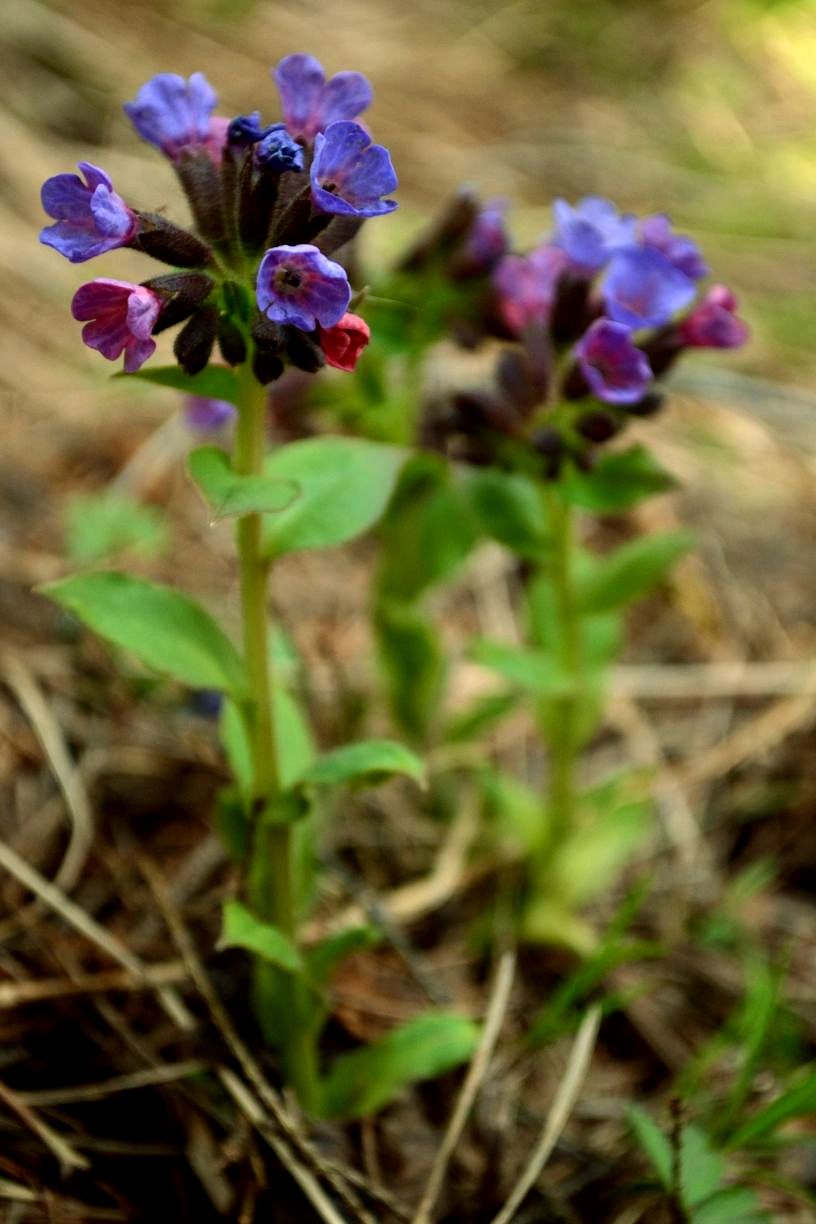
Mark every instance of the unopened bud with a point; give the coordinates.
(170, 243)
(195, 341)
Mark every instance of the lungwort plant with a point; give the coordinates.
(259, 276)
(584, 328)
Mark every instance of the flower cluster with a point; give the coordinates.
(598, 311)
(270, 203)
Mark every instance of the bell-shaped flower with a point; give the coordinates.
(680, 250)
(526, 286)
(90, 217)
(643, 289)
(614, 369)
(349, 174)
(343, 343)
(591, 232)
(119, 318)
(310, 102)
(713, 322)
(300, 286)
(174, 114)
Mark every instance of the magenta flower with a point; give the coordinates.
(643, 289)
(591, 232)
(300, 286)
(310, 103)
(656, 232)
(349, 174)
(90, 217)
(120, 318)
(713, 323)
(174, 114)
(527, 284)
(614, 369)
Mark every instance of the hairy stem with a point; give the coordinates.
(271, 876)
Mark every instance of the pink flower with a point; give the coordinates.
(120, 318)
(526, 285)
(343, 343)
(714, 323)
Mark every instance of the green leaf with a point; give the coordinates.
(215, 382)
(233, 735)
(232, 822)
(165, 629)
(414, 665)
(100, 525)
(345, 484)
(479, 717)
(364, 1081)
(518, 811)
(242, 929)
(654, 1144)
(427, 532)
(591, 858)
(701, 1168)
(508, 507)
(734, 1205)
(532, 670)
(229, 494)
(798, 1101)
(618, 480)
(293, 737)
(367, 762)
(631, 571)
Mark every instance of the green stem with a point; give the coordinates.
(271, 877)
(563, 727)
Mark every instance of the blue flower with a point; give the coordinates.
(680, 250)
(174, 114)
(643, 289)
(248, 129)
(278, 152)
(591, 232)
(300, 286)
(203, 414)
(614, 369)
(349, 174)
(310, 104)
(90, 217)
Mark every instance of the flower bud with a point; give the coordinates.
(170, 243)
(651, 404)
(266, 367)
(182, 292)
(231, 341)
(194, 343)
(549, 444)
(200, 178)
(303, 350)
(597, 426)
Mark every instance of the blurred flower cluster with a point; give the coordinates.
(596, 314)
(271, 202)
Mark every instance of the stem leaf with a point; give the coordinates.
(366, 763)
(228, 494)
(214, 382)
(165, 629)
(241, 929)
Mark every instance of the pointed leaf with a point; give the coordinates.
(215, 382)
(509, 508)
(631, 571)
(229, 494)
(617, 481)
(532, 670)
(242, 929)
(364, 1081)
(165, 629)
(701, 1168)
(654, 1143)
(798, 1101)
(345, 484)
(367, 762)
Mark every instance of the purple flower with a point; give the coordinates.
(591, 232)
(615, 370)
(643, 289)
(310, 104)
(90, 217)
(122, 316)
(205, 415)
(527, 284)
(656, 232)
(299, 285)
(278, 152)
(350, 174)
(174, 114)
(713, 322)
(248, 129)
(486, 241)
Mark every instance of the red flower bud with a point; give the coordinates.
(343, 343)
